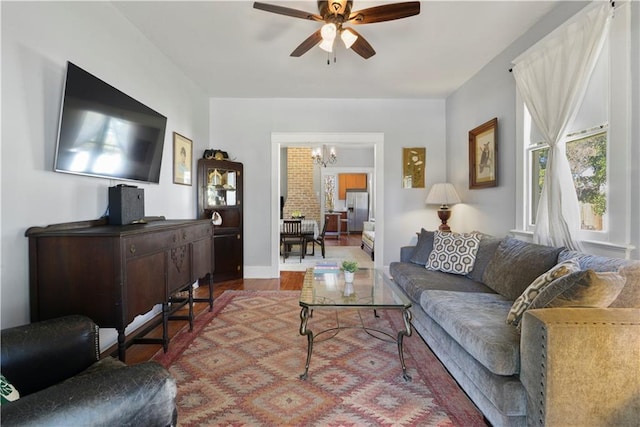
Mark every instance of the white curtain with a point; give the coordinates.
(552, 77)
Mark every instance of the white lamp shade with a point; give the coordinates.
(442, 194)
(348, 38)
(326, 45)
(328, 32)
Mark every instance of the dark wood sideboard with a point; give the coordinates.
(113, 273)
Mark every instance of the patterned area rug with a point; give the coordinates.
(241, 366)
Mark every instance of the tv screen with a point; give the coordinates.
(105, 133)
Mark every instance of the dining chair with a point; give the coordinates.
(319, 240)
(290, 235)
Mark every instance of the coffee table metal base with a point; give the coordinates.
(306, 313)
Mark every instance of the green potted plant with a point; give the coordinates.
(349, 268)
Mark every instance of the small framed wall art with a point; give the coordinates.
(413, 166)
(483, 155)
(182, 159)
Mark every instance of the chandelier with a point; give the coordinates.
(321, 157)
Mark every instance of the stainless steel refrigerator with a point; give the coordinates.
(357, 204)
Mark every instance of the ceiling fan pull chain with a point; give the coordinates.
(328, 58)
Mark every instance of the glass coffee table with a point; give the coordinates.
(370, 290)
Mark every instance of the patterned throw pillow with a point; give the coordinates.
(582, 289)
(453, 252)
(8, 392)
(523, 302)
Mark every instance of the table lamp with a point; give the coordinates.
(443, 194)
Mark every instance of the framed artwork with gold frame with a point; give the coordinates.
(483, 155)
(182, 159)
(413, 167)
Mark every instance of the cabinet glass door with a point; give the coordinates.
(221, 187)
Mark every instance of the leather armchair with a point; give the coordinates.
(55, 366)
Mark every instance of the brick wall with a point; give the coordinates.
(300, 195)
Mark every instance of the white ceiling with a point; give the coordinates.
(231, 49)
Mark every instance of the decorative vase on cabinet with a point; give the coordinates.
(220, 199)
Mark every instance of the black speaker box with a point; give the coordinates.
(126, 204)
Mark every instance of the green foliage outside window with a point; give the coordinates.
(588, 162)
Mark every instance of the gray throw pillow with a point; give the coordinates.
(423, 247)
(486, 250)
(630, 295)
(516, 264)
(584, 288)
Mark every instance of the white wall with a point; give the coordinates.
(37, 40)
(243, 127)
(491, 93)
(635, 128)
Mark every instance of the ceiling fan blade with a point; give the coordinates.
(361, 46)
(310, 42)
(287, 11)
(387, 12)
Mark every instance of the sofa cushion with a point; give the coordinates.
(414, 279)
(584, 288)
(516, 264)
(523, 302)
(423, 247)
(486, 250)
(453, 252)
(476, 322)
(630, 295)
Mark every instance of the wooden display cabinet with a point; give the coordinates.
(220, 198)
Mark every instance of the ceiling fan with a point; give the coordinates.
(335, 14)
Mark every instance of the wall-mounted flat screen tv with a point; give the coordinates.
(105, 133)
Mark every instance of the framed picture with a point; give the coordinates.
(483, 155)
(182, 159)
(413, 166)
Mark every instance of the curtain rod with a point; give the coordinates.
(613, 5)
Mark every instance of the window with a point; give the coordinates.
(587, 155)
(598, 149)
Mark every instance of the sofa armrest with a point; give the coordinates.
(406, 253)
(138, 395)
(581, 366)
(368, 226)
(41, 354)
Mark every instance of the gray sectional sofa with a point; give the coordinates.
(562, 366)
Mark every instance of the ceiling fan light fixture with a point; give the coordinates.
(348, 38)
(326, 45)
(328, 32)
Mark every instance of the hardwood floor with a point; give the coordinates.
(352, 239)
(288, 281)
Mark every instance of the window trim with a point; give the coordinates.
(530, 148)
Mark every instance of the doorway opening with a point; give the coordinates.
(312, 139)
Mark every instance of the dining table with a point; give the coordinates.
(308, 227)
